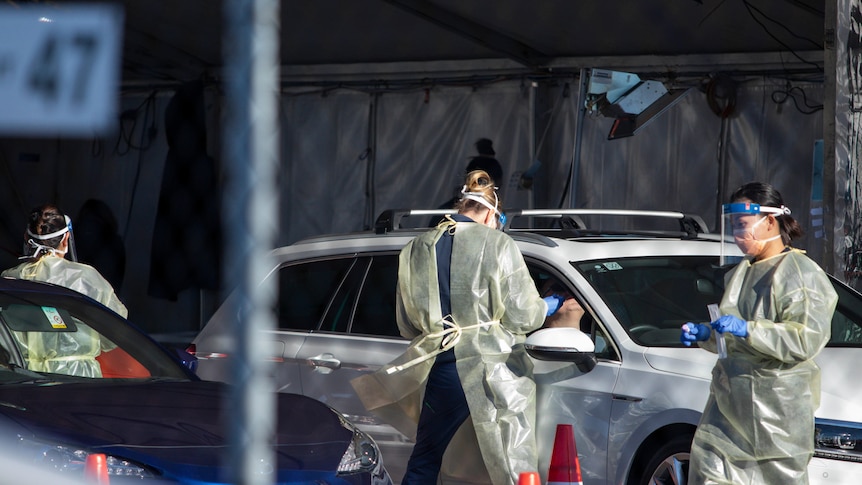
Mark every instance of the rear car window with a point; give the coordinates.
(304, 291)
(375, 311)
(343, 295)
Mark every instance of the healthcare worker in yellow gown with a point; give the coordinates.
(758, 424)
(47, 240)
(466, 299)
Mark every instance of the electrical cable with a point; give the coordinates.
(781, 96)
(138, 167)
(750, 7)
(127, 130)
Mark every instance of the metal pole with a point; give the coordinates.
(579, 135)
(250, 207)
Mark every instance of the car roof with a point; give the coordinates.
(569, 229)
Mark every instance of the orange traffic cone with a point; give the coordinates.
(529, 478)
(565, 468)
(96, 469)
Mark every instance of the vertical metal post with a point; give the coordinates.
(835, 139)
(723, 175)
(250, 209)
(579, 135)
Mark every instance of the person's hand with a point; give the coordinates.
(554, 302)
(732, 325)
(694, 332)
(568, 315)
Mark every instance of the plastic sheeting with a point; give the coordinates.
(494, 369)
(759, 419)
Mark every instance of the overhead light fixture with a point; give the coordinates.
(632, 102)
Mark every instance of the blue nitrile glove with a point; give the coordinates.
(554, 302)
(693, 332)
(732, 325)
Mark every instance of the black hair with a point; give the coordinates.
(44, 219)
(767, 195)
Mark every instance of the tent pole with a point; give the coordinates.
(579, 135)
(250, 204)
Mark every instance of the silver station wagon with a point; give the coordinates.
(634, 396)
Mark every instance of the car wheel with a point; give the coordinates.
(669, 464)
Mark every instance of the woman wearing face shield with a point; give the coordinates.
(47, 240)
(776, 315)
(466, 299)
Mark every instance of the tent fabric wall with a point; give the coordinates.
(425, 147)
(414, 148)
(323, 169)
(675, 163)
(775, 143)
(671, 164)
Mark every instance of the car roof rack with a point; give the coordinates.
(573, 219)
(390, 219)
(569, 220)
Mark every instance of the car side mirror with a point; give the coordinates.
(563, 344)
(188, 360)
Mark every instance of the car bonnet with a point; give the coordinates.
(175, 427)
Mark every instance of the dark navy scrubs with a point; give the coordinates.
(444, 407)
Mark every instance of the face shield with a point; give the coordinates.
(73, 254)
(744, 222)
(37, 247)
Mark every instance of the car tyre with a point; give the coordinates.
(669, 464)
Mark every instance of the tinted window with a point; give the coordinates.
(304, 291)
(375, 312)
(846, 329)
(337, 318)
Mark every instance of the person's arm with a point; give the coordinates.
(806, 301)
(524, 308)
(405, 327)
(86, 279)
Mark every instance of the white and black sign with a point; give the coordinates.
(59, 69)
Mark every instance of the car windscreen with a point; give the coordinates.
(847, 320)
(58, 334)
(653, 296)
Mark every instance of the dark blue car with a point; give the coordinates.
(80, 387)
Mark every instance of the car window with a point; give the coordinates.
(375, 310)
(305, 291)
(50, 334)
(847, 320)
(343, 303)
(550, 281)
(352, 294)
(652, 297)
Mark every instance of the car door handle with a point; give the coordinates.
(324, 363)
